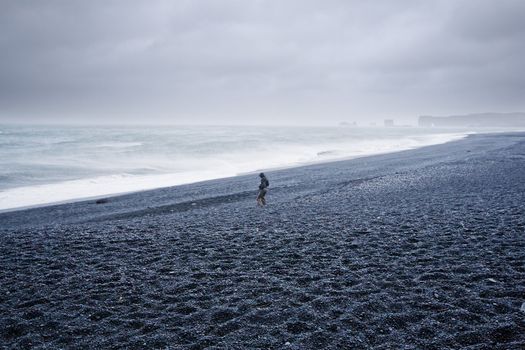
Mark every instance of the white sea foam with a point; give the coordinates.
(119, 144)
(94, 187)
(209, 155)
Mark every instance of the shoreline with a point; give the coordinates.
(454, 137)
(241, 177)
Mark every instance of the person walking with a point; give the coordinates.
(263, 189)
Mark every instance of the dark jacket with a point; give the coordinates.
(264, 183)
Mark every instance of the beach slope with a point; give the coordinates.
(421, 249)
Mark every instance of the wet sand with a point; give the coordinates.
(422, 249)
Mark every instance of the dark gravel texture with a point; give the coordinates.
(423, 249)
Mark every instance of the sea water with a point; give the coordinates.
(48, 164)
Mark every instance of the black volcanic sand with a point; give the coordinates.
(422, 249)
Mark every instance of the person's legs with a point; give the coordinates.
(263, 198)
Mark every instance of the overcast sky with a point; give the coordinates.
(258, 61)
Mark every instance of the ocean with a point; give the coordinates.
(48, 164)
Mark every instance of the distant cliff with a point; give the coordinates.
(475, 120)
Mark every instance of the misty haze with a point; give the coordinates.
(262, 174)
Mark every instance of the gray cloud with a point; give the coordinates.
(258, 61)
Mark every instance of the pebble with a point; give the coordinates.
(260, 267)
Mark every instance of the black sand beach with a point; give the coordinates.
(422, 249)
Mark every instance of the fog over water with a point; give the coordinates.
(258, 62)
